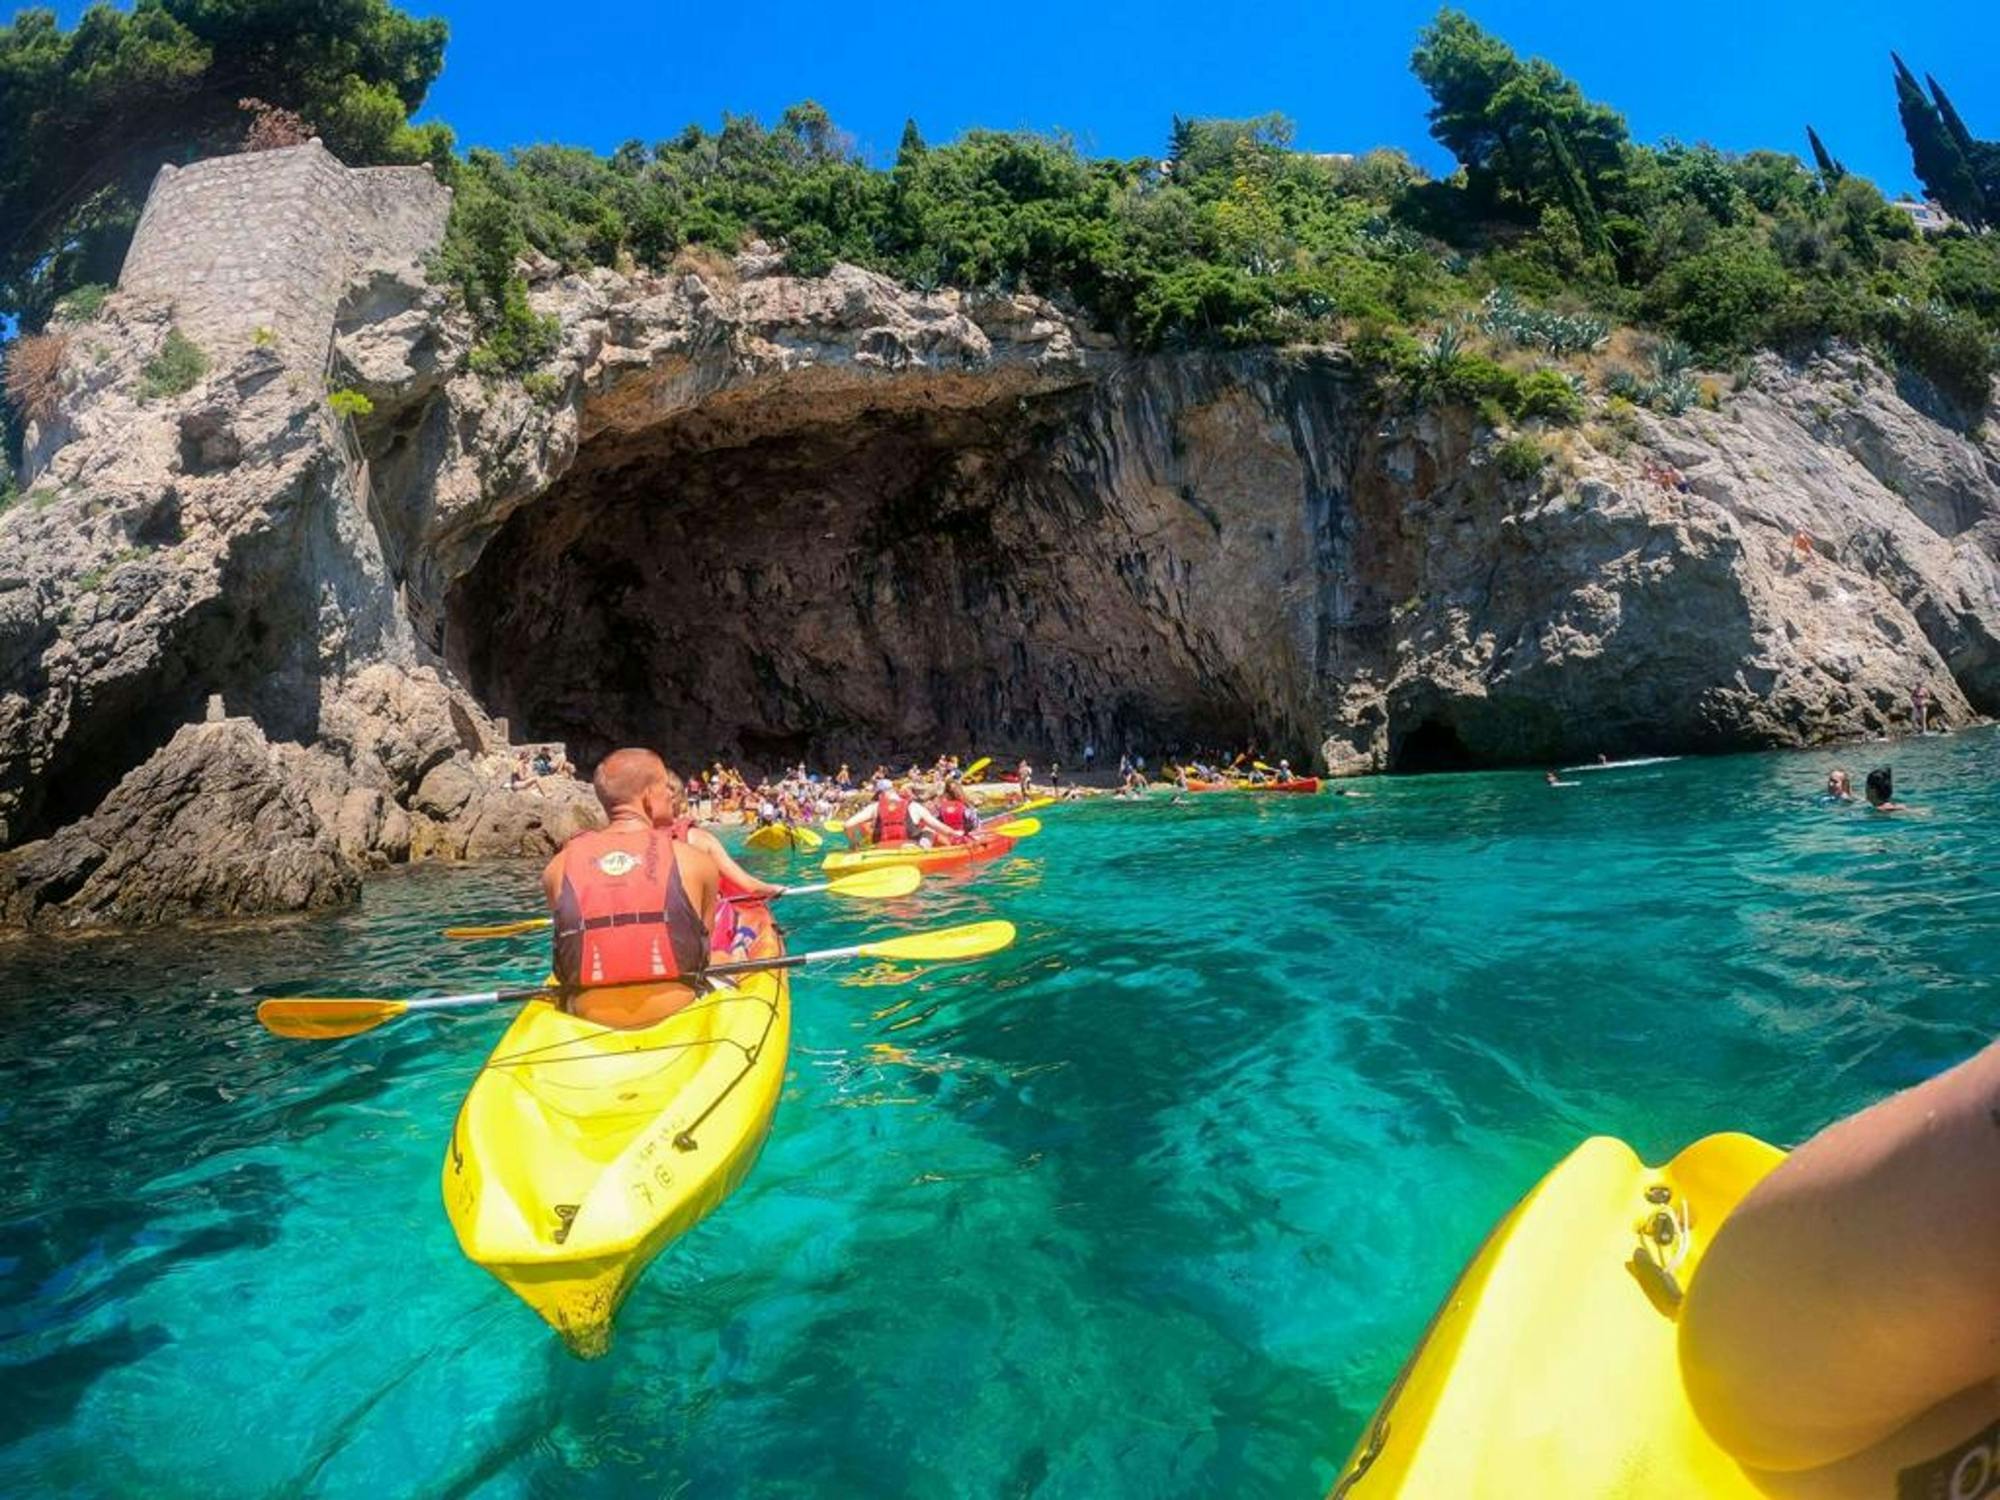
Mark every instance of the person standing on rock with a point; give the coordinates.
(1920, 706)
(632, 904)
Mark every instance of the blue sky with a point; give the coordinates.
(1739, 74)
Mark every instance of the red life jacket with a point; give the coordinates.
(955, 815)
(623, 915)
(892, 820)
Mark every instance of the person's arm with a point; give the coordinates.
(1857, 1285)
(552, 880)
(733, 875)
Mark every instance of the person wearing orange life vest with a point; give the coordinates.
(895, 819)
(632, 902)
(957, 814)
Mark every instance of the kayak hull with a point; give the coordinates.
(778, 837)
(1296, 784)
(582, 1151)
(1554, 1367)
(944, 856)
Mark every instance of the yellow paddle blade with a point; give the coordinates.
(321, 1020)
(976, 767)
(832, 825)
(880, 884)
(1260, 765)
(499, 929)
(1020, 828)
(975, 940)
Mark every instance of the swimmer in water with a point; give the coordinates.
(1881, 786)
(1838, 787)
(1554, 780)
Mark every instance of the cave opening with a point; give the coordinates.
(1434, 745)
(879, 586)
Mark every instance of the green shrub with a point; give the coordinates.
(1551, 395)
(83, 303)
(809, 251)
(520, 339)
(175, 369)
(544, 386)
(350, 404)
(1719, 301)
(1953, 350)
(1521, 458)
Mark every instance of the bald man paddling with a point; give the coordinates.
(633, 903)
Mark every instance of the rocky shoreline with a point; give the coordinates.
(747, 514)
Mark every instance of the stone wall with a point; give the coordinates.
(273, 239)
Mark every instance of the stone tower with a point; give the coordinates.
(265, 244)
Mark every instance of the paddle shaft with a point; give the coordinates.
(740, 966)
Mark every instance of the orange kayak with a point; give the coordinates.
(1297, 784)
(986, 846)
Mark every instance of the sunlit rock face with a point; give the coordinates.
(750, 515)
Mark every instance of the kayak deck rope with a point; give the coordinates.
(684, 1141)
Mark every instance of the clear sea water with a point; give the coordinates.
(1154, 1204)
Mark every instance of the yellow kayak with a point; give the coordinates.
(581, 1150)
(1553, 1367)
(778, 836)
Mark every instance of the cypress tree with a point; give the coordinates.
(1940, 165)
(1982, 156)
(1954, 126)
(1830, 171)
(912, 146)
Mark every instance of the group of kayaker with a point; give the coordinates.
(898, 818)
(639, 904)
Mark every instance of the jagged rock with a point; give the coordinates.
(495, 823)
(218, 824)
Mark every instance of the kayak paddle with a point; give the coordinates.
(311, 1018)
(975, 768)
(869, 885)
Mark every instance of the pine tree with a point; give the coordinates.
(1940, 165)
(912, 146)
(1830, 171)
(1180, 140)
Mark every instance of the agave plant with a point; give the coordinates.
(1674, 394)
(1670, 358)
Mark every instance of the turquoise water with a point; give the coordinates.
(1153, 1204)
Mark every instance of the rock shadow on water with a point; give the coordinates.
(42, 1393)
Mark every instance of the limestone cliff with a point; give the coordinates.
(742, 513)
